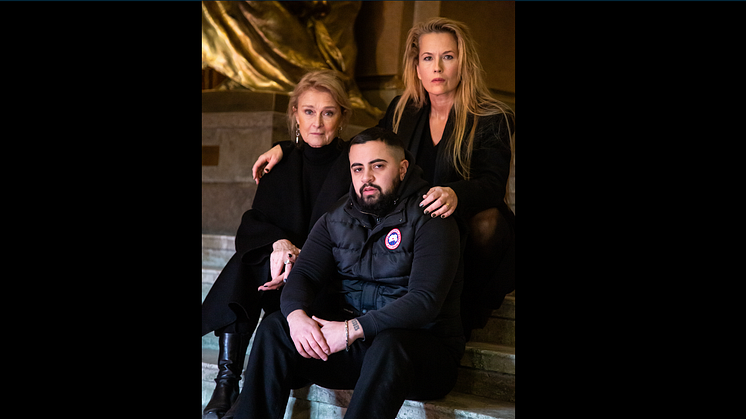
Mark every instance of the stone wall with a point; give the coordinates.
(237, 127)
(227, 185)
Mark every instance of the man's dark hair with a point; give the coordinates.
(380, 134)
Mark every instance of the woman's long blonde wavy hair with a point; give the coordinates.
(472, 95)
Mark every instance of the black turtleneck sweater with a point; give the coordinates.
(316, 165)
(289, 199)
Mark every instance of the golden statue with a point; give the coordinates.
(267, 46)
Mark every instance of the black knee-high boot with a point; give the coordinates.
(230, 363)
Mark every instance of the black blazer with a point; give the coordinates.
(490, 164)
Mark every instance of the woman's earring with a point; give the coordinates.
(297, 133)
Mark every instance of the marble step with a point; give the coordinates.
(487, 384)
(507, 308)
(499, 330)
(487, 370)
(500, 327)
(489, 357)
(314, 402)
(478, 355)
(217, 250)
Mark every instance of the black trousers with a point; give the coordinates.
(384, 371)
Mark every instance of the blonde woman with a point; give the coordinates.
(461, 137)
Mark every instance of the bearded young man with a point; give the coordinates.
(397, 334)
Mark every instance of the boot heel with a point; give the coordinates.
(230, 365)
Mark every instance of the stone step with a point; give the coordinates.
(498, 331)
(218, 241)
(209, 275)
(487, 370)
(217, 250)
(208, 278)
(480, 356)
(507, 308)
(488, 384)
(489, 357)
(210, 342)
(500, 327)
(315, 402)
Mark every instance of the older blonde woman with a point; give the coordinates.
(314, 175)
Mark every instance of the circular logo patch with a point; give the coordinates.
(393, 239)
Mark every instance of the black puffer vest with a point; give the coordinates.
(374, 255)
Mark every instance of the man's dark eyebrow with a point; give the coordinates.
(371, 162)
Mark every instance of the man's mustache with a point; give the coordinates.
(370, 185)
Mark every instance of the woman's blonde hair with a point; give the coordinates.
(324, 81)
(472, 95)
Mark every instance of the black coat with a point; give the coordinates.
(490, 165)
(486, 280)
(277, 212)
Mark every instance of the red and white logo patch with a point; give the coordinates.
(393, 239)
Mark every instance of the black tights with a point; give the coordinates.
(489, 267)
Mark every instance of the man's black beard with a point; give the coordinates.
(383, 205)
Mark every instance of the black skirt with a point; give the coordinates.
(234, 297)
